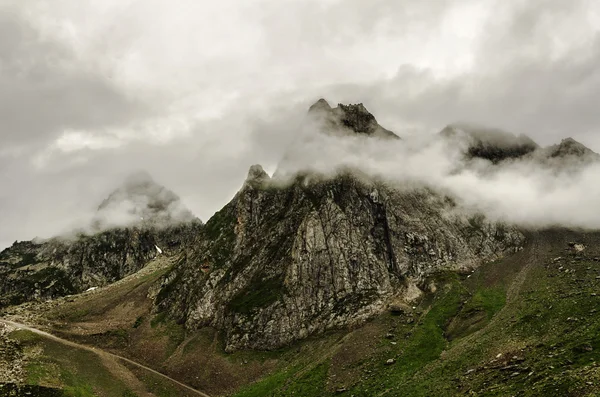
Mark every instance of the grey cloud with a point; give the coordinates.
(546, 100)
(517, 82)
(45, 89)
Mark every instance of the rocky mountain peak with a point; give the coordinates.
(348, 119)
(137, 222)
(140, 200)
(320, 106)
(570, 147)
(357, 118)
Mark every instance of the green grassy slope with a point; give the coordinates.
(527, 325)
(77, 372)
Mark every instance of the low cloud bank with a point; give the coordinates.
(536, 190)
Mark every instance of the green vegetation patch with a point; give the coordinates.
(477, 311)
(292, 381)
(78, 372)
(168, 328)
(28, 258)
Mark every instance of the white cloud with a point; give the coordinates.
(196, 92)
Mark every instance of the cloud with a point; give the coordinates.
(44, 89)
(195, 94)
(531, 192)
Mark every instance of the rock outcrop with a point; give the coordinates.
(280, 264)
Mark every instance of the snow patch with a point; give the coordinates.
(158, 249)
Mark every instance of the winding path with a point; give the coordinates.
(101, 353)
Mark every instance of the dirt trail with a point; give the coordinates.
(111, 361)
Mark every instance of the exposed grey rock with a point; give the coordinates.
(570, 147)
(278, 264)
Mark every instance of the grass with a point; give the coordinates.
(77, 372)
(157, 384)
(102, 302)
(293, 381)
(422, 344)
(482, 334)
(469, 339)
(168, 328)
(268, 385)
(28, 258)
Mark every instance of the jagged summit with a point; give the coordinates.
(140, 200)
(497, 145)
(348, 119)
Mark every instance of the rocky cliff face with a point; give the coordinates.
(285, 260)
(279, 264)
(102, 255)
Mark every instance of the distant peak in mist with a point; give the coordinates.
(570, 147)
(141, 201)
(348, 119)
(320, 106)
(497, 145)
(492, 144)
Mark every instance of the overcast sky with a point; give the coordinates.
(195, 91)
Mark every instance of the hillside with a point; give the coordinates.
(523, 325)
(137, 222)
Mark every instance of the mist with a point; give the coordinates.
(532, 191)
(93, 91)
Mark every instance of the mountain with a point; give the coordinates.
(347, 120)
(310, 284)
(283, 261)
(137, 222)
(497, 146)
(568, 154)
(141, 201)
